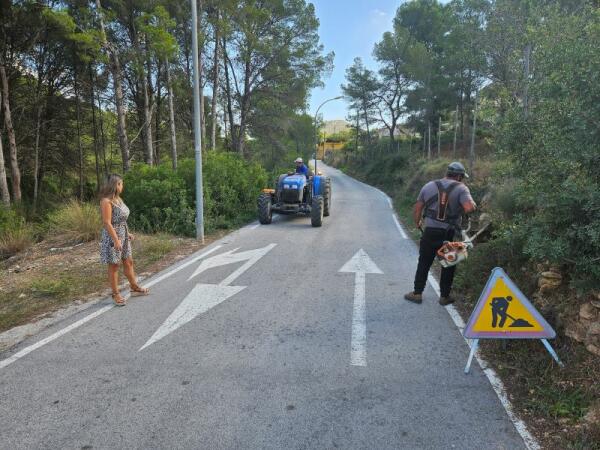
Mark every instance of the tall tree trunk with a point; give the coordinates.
(357, 130)
(367, 126)
(455, 130)
(171, 117)
(148, 149)
(36, 159)
(439, 136)
(79, 146)
(472, 151)
(228, 95)
(115, 68)
(4, 193)
(157, 114)
(102, 136)
(391, 127)
(225, 127)
(94, 127)
(215, 83)
(242, 130)
(12, 142)
(244, 106)
(462, 115)
(121, 124)
(46, 118)
(428, 140)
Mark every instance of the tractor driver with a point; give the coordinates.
(301, 168)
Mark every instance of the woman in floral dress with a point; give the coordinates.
(115, 242)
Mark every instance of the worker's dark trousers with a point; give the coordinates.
(431, 240)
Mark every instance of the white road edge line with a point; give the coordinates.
(27, 350)
(530, 442)
(400, 229)
(395, 217)
(52, 337)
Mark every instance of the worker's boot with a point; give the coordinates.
(413, 297)
(445, 301)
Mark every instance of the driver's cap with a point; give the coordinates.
(298, 160)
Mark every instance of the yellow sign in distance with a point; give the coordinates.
(504, 312)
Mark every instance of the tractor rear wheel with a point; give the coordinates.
(327, 197)
(316, 212)
(265, 213)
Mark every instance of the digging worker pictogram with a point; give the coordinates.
(440, 205)
(499, 309)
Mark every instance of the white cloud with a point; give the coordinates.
(377, 17)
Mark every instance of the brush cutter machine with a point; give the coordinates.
(451, 253)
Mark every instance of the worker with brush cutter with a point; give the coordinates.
(440, 206)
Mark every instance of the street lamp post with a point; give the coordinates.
(317, 131)
(197, 135)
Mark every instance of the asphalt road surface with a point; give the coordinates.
(260, 341)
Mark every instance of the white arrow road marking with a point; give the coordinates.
(360, 264)
(206, 296)
(252, 256)
(202, 298)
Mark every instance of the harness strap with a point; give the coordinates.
(441, 198)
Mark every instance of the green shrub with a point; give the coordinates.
(163, 200)
(555, 152)
(79, 221)
(9, 219)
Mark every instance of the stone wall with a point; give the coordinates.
(586, 327)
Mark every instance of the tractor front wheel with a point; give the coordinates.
(265, 213)
(316, 212)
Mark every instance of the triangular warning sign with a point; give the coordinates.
(503, 312)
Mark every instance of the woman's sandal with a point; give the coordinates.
(137, 291)
(118, 299)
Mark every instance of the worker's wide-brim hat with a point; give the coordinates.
(298, 160)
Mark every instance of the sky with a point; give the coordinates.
(350, 28)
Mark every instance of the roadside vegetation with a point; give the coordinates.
(509, 88)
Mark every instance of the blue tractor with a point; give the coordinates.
(296, 194)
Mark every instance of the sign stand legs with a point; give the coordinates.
(474, 345)
(552, 352)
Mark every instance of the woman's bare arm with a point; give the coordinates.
(106, 209)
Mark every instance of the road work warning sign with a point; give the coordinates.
(503, 312)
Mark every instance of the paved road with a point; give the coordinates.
(270, 365)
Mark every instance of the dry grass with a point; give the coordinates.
(78, 221)
(15, 240)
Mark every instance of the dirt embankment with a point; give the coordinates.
(55, 277)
